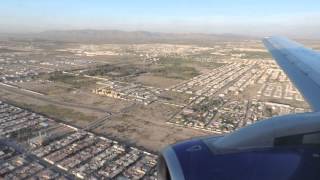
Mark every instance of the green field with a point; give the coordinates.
(174, 68)
(74, 81)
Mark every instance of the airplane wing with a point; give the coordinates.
(302, 65)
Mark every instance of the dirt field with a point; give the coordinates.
(146, 126)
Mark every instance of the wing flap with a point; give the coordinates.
(302, 65)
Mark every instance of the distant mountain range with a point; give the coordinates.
(116, 36)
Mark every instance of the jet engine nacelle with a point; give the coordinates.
(267, 143)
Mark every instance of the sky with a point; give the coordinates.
(248, 17)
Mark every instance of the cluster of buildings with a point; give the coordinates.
(140, 50)
(249, 78)
(166, 50)
(125, 91)
(279, 91)
(46, 149)
(219, 115)
(210, 83)
(28, 62)
(200, 113)
(222, 115)
(275, 84)
(19, 166)
(216, 102)
(96, 50)
(13, 70)
(236, 114)
(17, 122)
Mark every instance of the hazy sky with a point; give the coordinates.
(255, 17)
